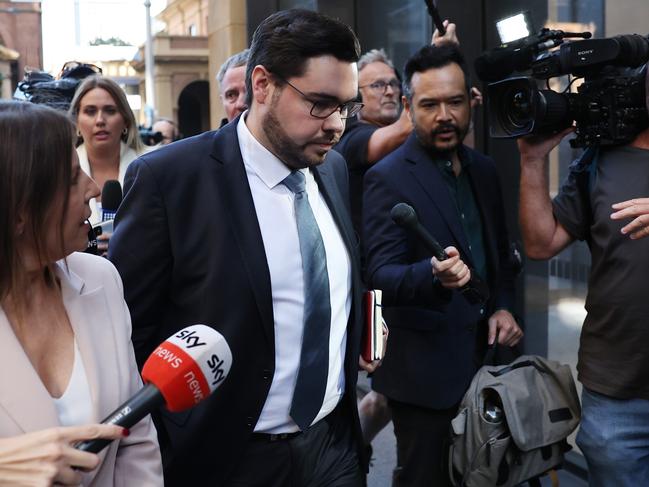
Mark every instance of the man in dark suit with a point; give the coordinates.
(437, 337)
(251, 235)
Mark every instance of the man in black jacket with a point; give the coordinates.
(251, 235)
(437, 338)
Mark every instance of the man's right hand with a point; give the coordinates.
(452, 273)
(449, 37)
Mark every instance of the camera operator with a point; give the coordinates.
(167, 128)
(604, 202)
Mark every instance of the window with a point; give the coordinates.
(399, 26)
(306, 4)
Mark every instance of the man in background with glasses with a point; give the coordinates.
(378, 129)
(251, 235)
(167, 129)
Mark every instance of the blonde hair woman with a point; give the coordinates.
(108, 136)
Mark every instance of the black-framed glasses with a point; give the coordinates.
(323, 109)
(381, 85)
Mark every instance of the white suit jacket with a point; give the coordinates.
(93, 298)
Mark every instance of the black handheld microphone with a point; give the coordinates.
(111, 198)
(404, 215)
(434, 14)
(92, 240)
(183, 371)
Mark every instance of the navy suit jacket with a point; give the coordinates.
(436, 336)
(189, 249)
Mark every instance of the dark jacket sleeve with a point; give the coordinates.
(140, 249)
(389, 249)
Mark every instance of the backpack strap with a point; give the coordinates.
(517, 365)
(490, 356)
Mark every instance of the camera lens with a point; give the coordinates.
(513, 107)
(518, 108)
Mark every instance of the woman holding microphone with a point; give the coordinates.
(107, 134)
(65, 347)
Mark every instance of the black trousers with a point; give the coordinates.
(323, 456)
(422, 445)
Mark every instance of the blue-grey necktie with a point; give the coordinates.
(314, 358)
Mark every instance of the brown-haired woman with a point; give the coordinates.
(108, 133)
(65, 347)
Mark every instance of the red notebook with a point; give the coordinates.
(372, 347)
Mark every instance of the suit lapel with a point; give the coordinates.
(331, 193)
(429, 179)
(89, 316)
(332, 196)
(242, 218)
(22, 394)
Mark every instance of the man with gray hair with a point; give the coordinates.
(378, 129)
(167, 128)
(232, 85)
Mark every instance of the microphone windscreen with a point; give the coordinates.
(189, 366)
(404, 215)
(111, 195)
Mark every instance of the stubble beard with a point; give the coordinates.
(293, 155)
(427, 138)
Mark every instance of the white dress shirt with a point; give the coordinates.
(276, 216)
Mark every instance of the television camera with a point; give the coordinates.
(609, 108)
(42, 88)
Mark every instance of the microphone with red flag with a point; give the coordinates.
(180, 373)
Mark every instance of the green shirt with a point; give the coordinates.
(459, 188)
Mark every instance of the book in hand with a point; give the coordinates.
(373, 334)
